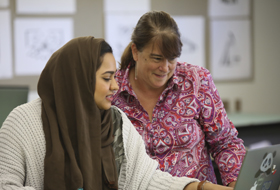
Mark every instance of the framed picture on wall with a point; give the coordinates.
(118, 29)
(192, 32)
(228, 8)
(46, 7)
(120, 18)
(36, 39)
(230, 50)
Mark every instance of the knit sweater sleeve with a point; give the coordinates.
(138, 170)
(20, 168)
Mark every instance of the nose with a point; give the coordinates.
(114, 86)
(164, 66)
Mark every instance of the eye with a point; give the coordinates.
(107, 79)
(157, 59)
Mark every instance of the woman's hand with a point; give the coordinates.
(207, 186)
(211, 186)
(232, 184)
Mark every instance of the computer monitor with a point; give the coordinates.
(11, 97)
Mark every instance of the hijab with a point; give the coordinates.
(78, 135)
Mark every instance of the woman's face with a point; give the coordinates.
(152, 67)
(105, 82)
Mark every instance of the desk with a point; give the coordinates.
(253, 128)
(251, 120)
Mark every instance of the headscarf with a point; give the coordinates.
(78, 135)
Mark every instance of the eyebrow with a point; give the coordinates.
(108, 72)
(155, 55)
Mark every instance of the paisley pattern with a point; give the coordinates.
(189, 124)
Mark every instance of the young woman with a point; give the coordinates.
(175, 106)
(71, 139)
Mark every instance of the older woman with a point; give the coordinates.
(175, 106)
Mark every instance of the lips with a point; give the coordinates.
(161, 76)
(109, 98)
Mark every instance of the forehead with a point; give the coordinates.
(152, 48)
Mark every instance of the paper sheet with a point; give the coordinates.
(127, 5)
(6, 70)
(35, 41)
(230, 49)
(46, 6)
(118, 30)
(228, 8)
(121, 16)
(192, 29)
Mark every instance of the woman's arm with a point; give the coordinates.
(22, 149)
(221, 135)
(12, 161)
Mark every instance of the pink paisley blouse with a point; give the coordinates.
(189, 124)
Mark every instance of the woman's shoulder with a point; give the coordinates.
(191, 72)
(23, 126)
(24, 115)
(32, 108)
(184, 67)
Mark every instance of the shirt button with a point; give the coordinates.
(151, 135)
(152, 154)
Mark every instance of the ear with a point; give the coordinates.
(134, 52)
(264, 155)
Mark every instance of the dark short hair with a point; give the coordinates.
(104, 48)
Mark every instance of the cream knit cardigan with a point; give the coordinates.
(22, 152)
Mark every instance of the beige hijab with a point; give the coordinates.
(78, 135)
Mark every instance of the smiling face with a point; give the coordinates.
(153, 69)
(105, 82)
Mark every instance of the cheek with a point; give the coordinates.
(172, 68)
(100, 89)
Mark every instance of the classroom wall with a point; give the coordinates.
(262, 94)
(258, 95)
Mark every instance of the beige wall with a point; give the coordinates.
(259, 95)
(262, 94)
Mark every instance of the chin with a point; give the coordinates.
(104, 106)
(159, 85)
